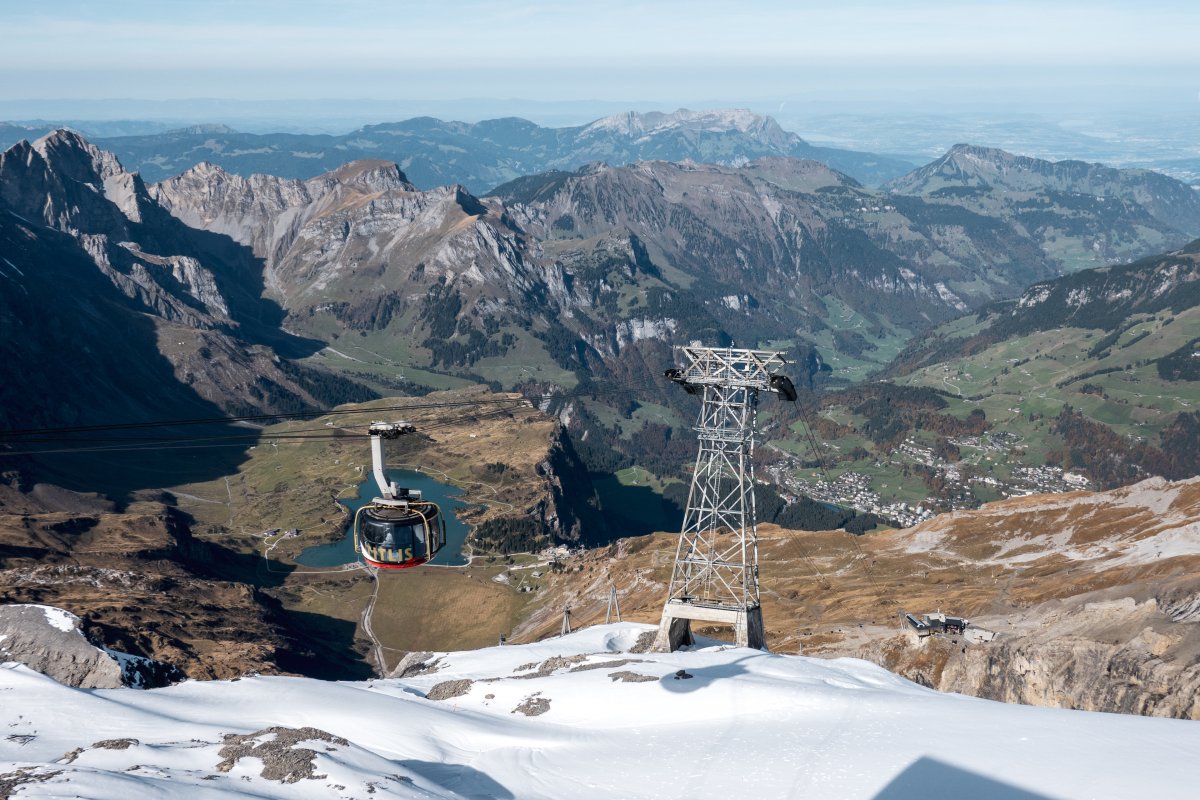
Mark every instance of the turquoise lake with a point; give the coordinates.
(342, 552)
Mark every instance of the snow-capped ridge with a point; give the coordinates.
(636, 125)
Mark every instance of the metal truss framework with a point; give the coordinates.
(715, 576)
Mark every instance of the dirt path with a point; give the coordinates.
(376, 646)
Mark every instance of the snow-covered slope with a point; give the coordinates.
(579, 717)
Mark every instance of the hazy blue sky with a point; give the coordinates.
(618, 50)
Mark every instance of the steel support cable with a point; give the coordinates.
(865, 560)
(255, 438)
(794, 538)
(174, 443)
(813, 444)
(133, 449)
(23, 432)
(226, 420)
(248, 434)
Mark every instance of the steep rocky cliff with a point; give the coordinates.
(1096, 655)
(570, 509)
(165, 319)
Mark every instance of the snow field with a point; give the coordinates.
(746, 724)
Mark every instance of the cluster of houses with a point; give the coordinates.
(1042, 480)
(853, 490)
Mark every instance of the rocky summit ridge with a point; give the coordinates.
(195, 332)
(759, 128)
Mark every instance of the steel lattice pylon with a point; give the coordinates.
(715, 577)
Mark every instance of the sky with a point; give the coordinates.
(616, 51)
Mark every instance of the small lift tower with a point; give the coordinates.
(715, 578)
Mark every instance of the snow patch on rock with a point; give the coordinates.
(57, 618)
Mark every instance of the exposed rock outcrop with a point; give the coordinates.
(166, 320)
(50, 640)
(1151, 673)
(570, 509)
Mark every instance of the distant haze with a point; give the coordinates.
(596, 55)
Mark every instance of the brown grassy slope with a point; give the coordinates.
(137, 579)
(1095, 590)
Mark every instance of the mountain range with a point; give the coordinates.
(482, 155)
(1075, 210)
(113, 308)
(266, 293)
(211, 293)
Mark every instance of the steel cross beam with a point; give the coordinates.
(716, 559)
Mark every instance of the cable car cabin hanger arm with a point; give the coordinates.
(380, 431)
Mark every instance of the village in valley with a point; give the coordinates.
(949, 485)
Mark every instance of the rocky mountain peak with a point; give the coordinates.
(205, 169)
(637, 125)
(68, 151)
(984, 178)
(967, 150)
(968, 163)
(594, 168)
(370, 175)
(70, 184)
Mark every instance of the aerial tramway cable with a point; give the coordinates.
(810, 437)
(250, 438)
(21, 433)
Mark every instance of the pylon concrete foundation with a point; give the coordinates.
(675, 628)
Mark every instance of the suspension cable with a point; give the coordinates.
(21, 433)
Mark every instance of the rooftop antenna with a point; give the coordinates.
(715, 576)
